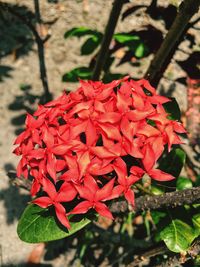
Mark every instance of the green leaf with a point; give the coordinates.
(38, 225)
(73, 75)
(157, 216)
(173, 162)
(178, 236)
(173, 109)
(123, 38)
(196, 222)
(156, 190)
(90, 45)
(183, 183)
(79, 32)
(109, 77)
(140, 50)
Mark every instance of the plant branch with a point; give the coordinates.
(39, 42)
(173, 259)
(172, 199)
(109, 31)
(146, 255)
(173, 38)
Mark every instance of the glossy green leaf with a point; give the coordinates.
(173, 109)
(178, 236)
(196, 222)
(183, 183)
(173, 162)
(90, 45)
(79, 32)
(76, 74)
(37, 225)
(123, 38)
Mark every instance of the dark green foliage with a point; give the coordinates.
(74, 75)
(38, 225)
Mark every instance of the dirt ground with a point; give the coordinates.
(61, 56)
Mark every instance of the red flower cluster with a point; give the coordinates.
(93, 144)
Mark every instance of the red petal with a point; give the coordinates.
(60, 165)
(61, 215)
(147, 86)
(66, 193)
(83, 162)
(136, 115)
(158, 99)
(81, 208)
(149, 158)
(130, 197)
(111, 117)
(70, 175)
(49, 188)
(51, 165)
(43, 202)
(85, 192)
(37, 153)
(159, 175)
(48, 138)
(133, 179)
(20, 138)
(122, 102)
(81, 106)
(91, 183)
(178, 127)
(137, 171)
(97, 169)
(147, 130)
(98, 106)
(102, 152)
(91, 133)
(105, 191)
(111, 131)
(61, 149)
(116, 192)
(138, 101)
(103, 210)
(126, 129)
(35, 188)
(121, 170)
(77, 129)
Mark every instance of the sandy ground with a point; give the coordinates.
(61, 56)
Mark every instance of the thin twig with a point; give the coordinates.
(39, 42)
(173, 38)
(109, 31)
(146, 255)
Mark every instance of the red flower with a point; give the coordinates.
(125, 181)
(94, 196)
(84, 134)
(66, 193)
(149, 162)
